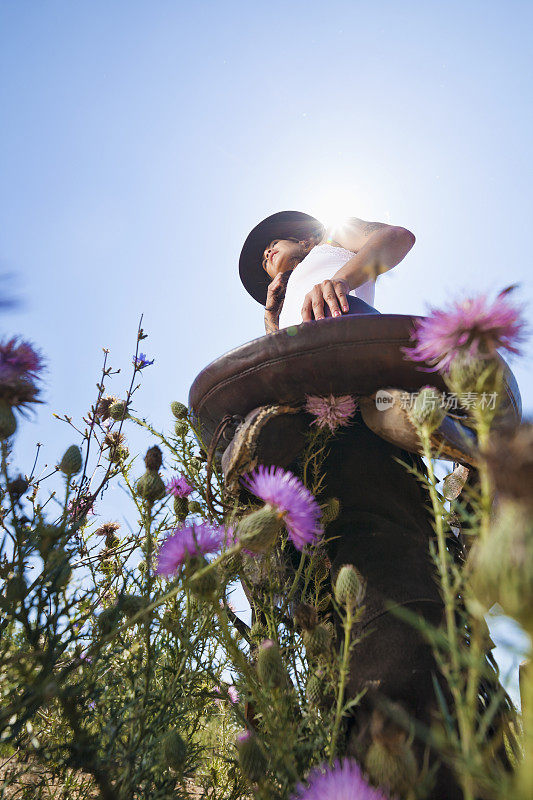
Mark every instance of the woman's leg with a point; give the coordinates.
(384, 530)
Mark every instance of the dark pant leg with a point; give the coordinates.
(355, 306)
(384, 530)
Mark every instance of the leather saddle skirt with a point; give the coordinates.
(359, 355)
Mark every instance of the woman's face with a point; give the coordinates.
(282, 255)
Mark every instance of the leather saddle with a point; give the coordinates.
(247, 405)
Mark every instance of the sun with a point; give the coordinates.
(334, 207)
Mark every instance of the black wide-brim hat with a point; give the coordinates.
(282, 225)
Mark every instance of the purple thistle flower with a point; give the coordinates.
(244, 736)
(186, 542)
(19, 360)
(179, 487)
(343, 781)
(20, 365)
(233, 694)
(472, 326)
(80, 507)
(231, 539)
(331, 411)
(141, 361)
(287, 494)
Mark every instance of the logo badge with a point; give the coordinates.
(384, 400)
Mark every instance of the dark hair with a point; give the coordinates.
(313, 237)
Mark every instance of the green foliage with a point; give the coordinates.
(114, 680)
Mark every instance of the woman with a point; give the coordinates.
(300, 270)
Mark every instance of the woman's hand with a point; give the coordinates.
(274, 301)
(333, 292)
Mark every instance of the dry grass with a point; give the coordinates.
(30, 781)
(22, 780)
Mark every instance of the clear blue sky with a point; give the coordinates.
(141, 141)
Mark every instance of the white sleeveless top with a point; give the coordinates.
(320, 264)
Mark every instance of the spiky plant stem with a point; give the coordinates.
(344, 670)
(465, 725)
(482, 422)
(524, 780)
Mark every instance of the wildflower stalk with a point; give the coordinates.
(482, 421)
(464, 720)
(524, 782)
(448, 592)
(181, 457)
(482, 425)
(261, 700)
(294, 584)
(343, 674)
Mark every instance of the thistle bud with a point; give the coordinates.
(118, 410)
(509, 457)
(16, 588)
(321, 565)
(112, 541)
(251, 759)
(71, 462)
(204, 586)
(259, 530)
(104, 404)
(107, 529)
(179, 410)
(107, 620)
(350, 587)
(106, 566)
(305, 616)
(502, 564)
(469, 373)
(257, 632)
(117, 449)
(194, 507)
(18, 487)
(153, 459)
(131, 604)
(150, 487)
(453, 483)
(427, 411)
(174, 750)
(169, 622)
(317, 641)
(331, 510)
(181, 427)
(315, 690)
(47, 536)
(270, 669)
(8, 423)
(393, 769)
(58, 569)
(181, 508)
